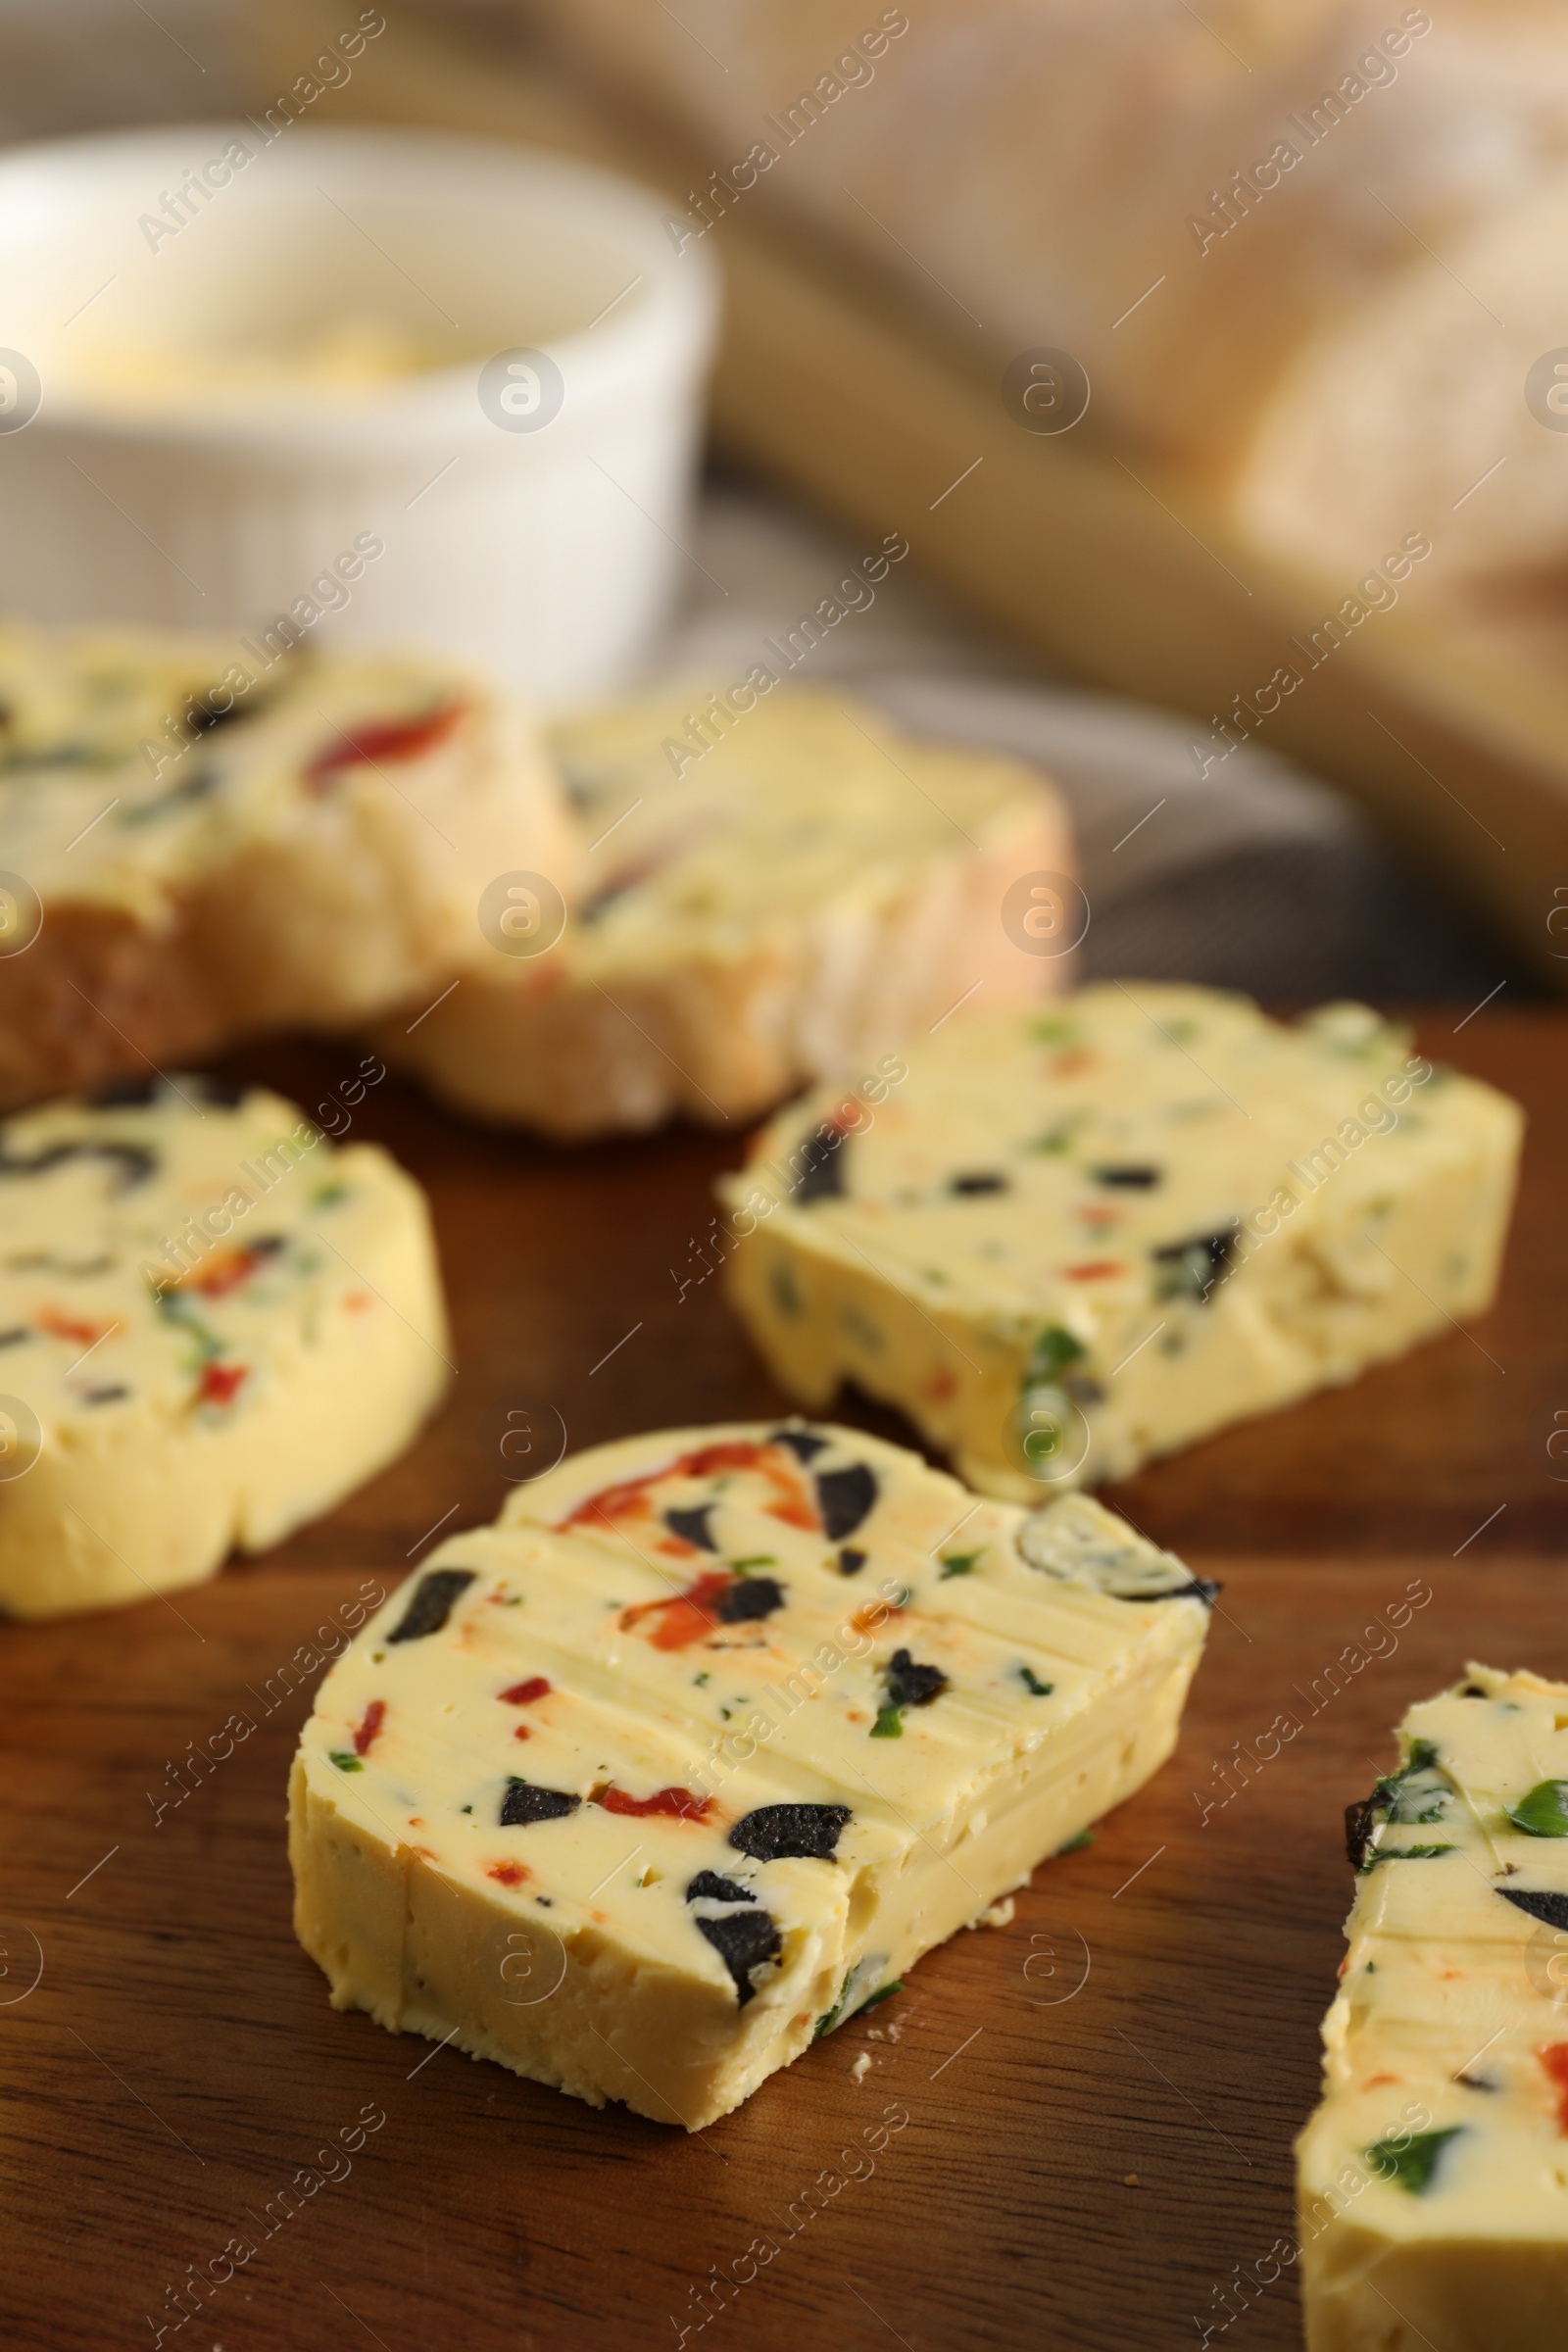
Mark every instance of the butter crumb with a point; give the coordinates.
(997, 1915)
(861, 2067)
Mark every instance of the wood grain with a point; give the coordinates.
(177, 2062)
(1449, 716)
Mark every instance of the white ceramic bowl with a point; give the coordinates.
(527, 486)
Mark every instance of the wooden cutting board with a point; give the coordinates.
(1447, 716)
(1074, 2128)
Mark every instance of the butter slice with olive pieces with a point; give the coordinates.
(1073, 1239)
(214, 1324)
(1433, 2179)
(704, 1744)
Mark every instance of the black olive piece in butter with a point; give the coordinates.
(1197, 1587)
(203, 719)
(692, 1525)
(821, 1158)
(524, 1802)
(126, 1093)
(134, 1162)
(781, 1833)
(912, 1686)
(717, 1889)
(742, 1941)
(1193, 1267)
(802, 1442)
(1360, 1820)
(844, 1498)
(1550, 1909)
(748, 1597)
(431, 1604)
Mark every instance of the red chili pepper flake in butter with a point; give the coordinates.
(686, 1617)
(374, 1717)
(219, 1384)
(631, 1498)
(508, 1873)
(680, 1803)
(69, 1327)
(226, 1273)
(523, 1695)
(1553, 2057)
(874, 1614)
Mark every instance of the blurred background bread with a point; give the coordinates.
(940, 242)
(1160, 337)
(1305, 243)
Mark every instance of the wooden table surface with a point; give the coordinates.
(1075, 2130)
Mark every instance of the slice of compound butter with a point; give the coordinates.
(712, 1737)
(1433, 2179)
(213, 1325)
(1068, 1240)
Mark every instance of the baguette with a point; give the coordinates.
(803, 895)
(190, 857)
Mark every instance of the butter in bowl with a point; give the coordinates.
(230, 358)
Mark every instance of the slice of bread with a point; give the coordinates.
(1437, 408)
(203, 839)
(785, 905)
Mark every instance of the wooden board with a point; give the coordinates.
(1448, 718)
(175, 2063)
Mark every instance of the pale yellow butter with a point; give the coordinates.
(214, 1324)
(1064, 1239)
(1433, 2179)
(708, 1741)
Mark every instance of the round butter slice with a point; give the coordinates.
(1063, 1241)
(214, 1324)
